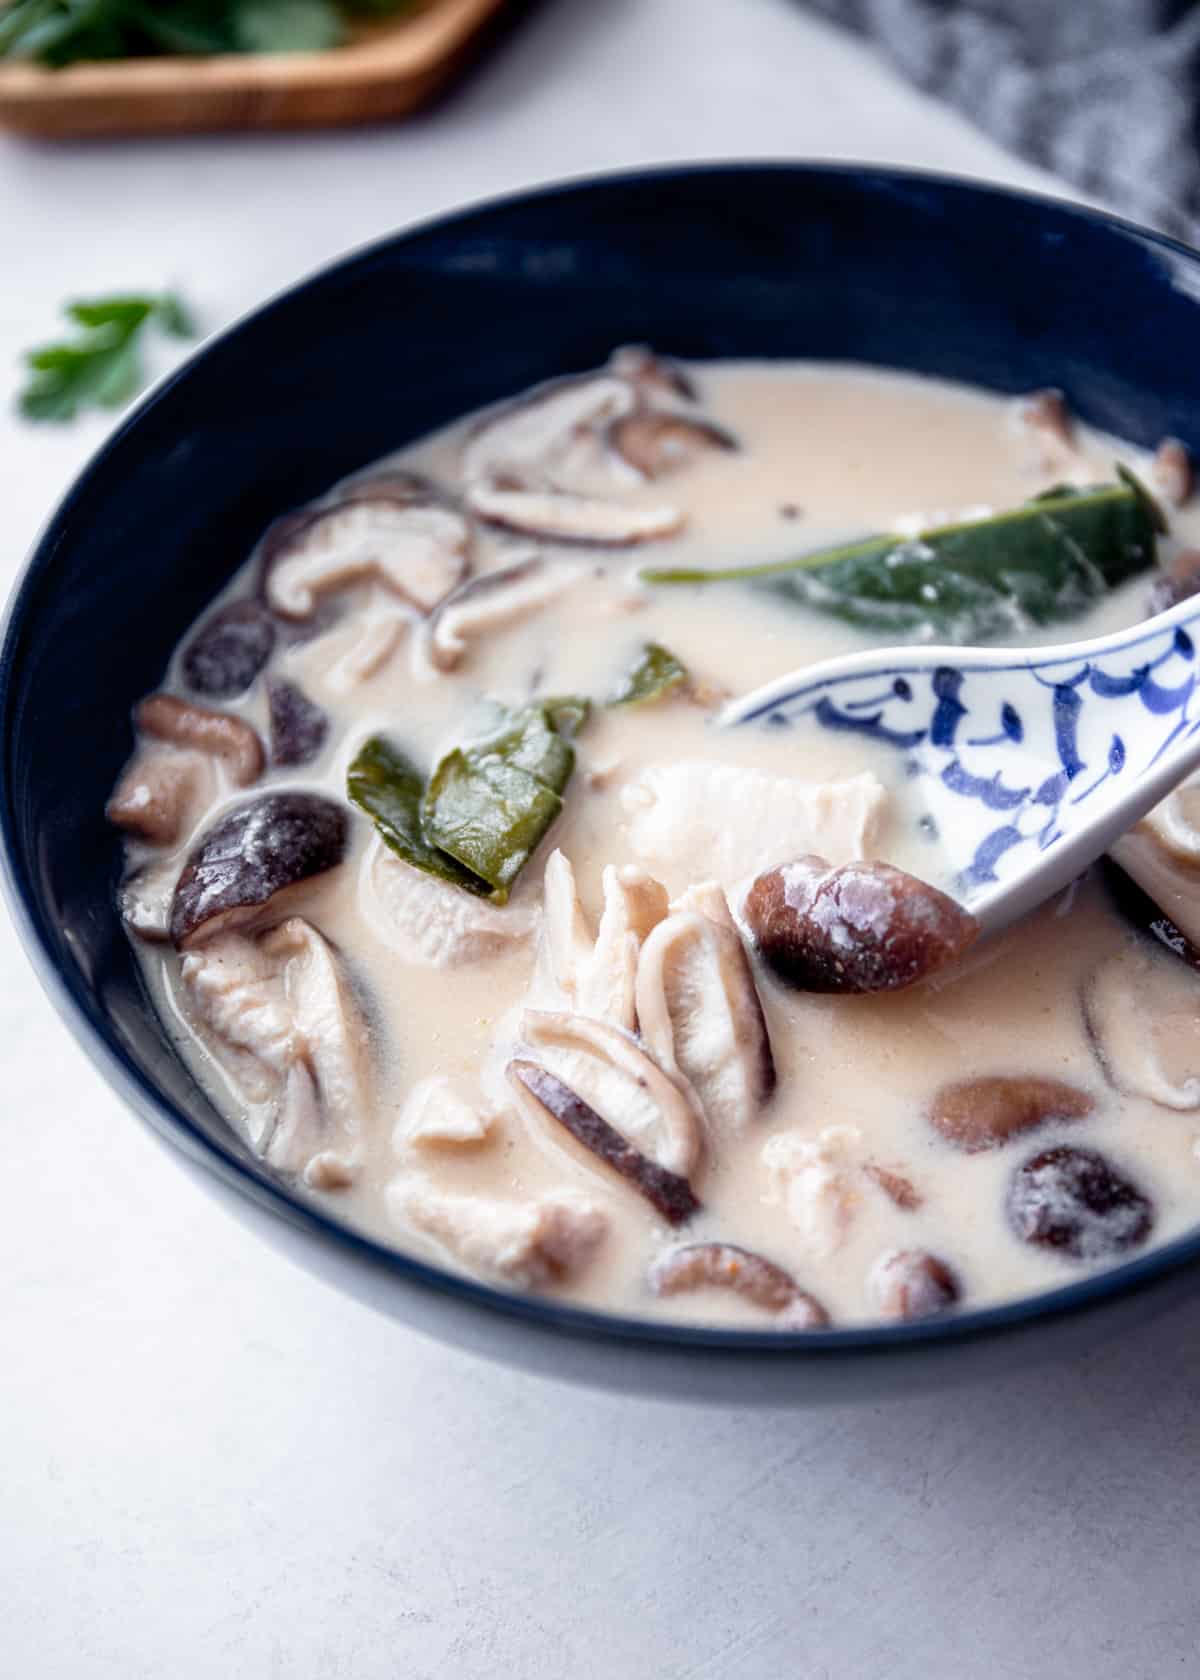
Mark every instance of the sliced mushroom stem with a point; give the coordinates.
(700, 1014)
(671, 1194)
(223, 736)
(152, 797)
(717, 1265)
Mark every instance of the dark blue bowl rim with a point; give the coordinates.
(173, 1126)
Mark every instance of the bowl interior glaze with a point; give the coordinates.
(905, 271)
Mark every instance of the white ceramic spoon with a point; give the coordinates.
(1031, 761)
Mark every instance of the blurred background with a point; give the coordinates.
(211, 1465)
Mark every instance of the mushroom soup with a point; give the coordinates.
(484, 934)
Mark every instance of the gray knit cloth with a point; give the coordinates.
(1106, 93)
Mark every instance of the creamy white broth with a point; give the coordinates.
(824, 453)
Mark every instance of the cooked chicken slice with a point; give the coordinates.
(594, 973)
(436, 1117)
(326, 1017)
(432, 922)
(819, 1181)
(238, 993)
(634, 904)
(698, 818)
(531, 1244)
(290, 1035)
(699, 1012)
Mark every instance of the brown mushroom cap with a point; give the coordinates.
(298, 725)
(983, 1113)
(253, 853)
(911, 1283)
(228, 651)
(864, 927)
(1075, 1201)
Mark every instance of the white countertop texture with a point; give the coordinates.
(214, 1467)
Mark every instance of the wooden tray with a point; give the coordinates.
(386, 70)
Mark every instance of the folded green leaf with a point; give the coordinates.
(490, 803)
(383, 783)
(1039, 564)
(487, 804)
(657, 673)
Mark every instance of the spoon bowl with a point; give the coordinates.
(1031, 762)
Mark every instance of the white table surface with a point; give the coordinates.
(213, 1466)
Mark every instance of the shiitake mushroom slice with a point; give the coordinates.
(250, 855)
(229, 650)
(671, 1194)
(298, 725)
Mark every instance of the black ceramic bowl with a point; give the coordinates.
(905, 271)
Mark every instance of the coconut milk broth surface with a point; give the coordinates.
(826, 453)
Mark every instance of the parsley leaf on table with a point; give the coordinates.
(102, 366)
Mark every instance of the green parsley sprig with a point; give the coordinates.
(58, 32)
(101, 367)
